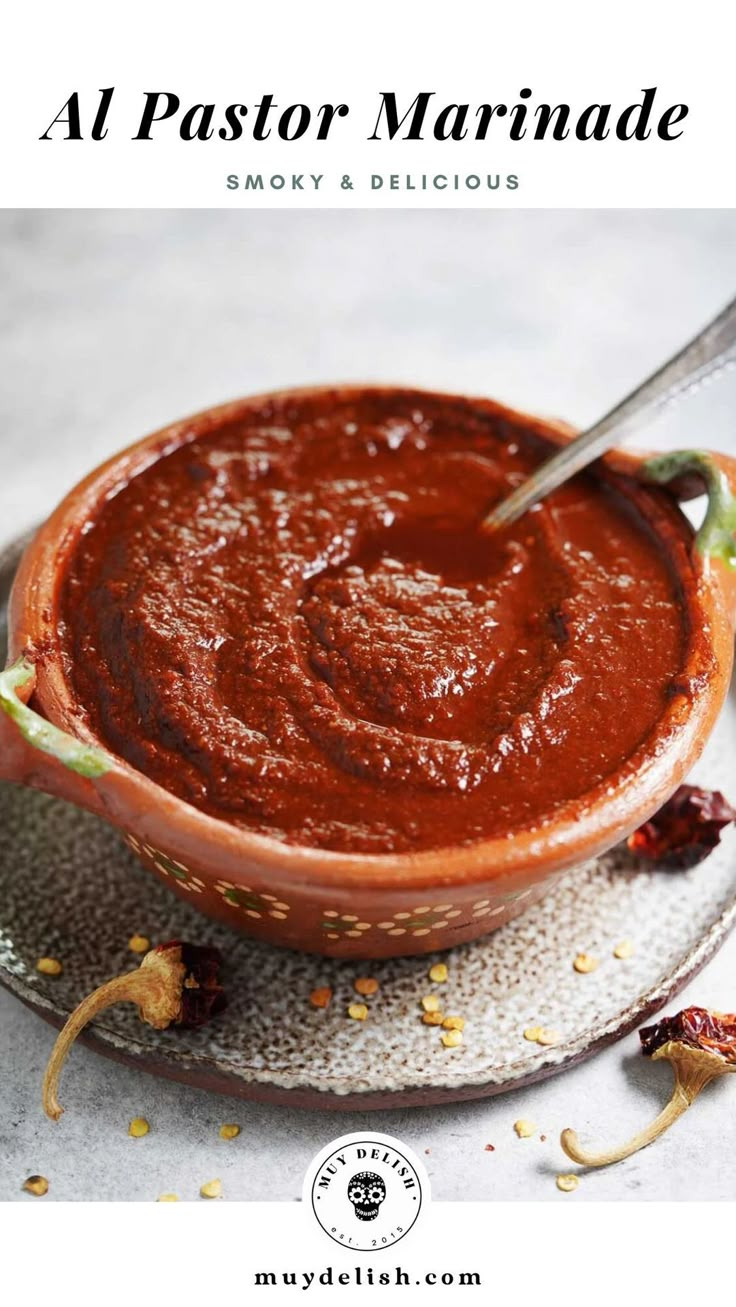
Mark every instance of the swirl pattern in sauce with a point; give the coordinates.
(293, 622)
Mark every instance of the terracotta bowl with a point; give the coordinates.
(365, 906)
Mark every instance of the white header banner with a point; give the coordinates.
(381, 105)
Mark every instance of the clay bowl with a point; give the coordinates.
(364, 906)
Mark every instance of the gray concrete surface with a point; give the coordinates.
(111, 324)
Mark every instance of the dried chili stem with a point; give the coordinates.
(692, 1070)
(155, 988)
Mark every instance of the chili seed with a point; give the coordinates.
(524, 1129)
(366, 986)
(167, 1198)
(139, 944)
(37, 1185)
(138, 1127)
(548, 1037)
(567, 1183)
(358, 1011)
(49, 967)
(624, 950)
(452, 1038)
(320, 997)
(532, 1033)
(212, 1189)
(432, 1018)
(431, 1003)
(584, 963)
(454, 1023)
(438, 973)
(229, 1131)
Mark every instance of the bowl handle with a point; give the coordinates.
(691, 471)
(35, 752)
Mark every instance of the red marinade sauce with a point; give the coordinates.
(293, 622)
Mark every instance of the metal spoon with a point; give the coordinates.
(708, 355)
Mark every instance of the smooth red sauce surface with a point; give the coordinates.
(293, 623)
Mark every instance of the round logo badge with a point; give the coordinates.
(366, 1190)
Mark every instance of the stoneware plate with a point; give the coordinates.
(70, 889)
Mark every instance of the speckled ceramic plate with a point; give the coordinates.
(69, 888)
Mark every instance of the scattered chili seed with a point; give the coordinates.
(212, 1189)
(567, 1183)
(320, 997)
(138, 1127)
(229, 1131)
(584, 963)
(438, 973)
(139, 944)
(366, 986)
(167, 1198)
(37, 1185)
(624, 950)
(452, 1038)
(524, 1129)
(432, 1018)
(431, 1003)
(454, 1023)
(548, 1037)
(532, 1033)
(49, 967)
(358, 1011)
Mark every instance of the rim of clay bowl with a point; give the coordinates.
(578, 830)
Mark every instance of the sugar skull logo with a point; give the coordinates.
(366, 1192)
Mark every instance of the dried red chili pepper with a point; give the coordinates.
(176, 983)
(685, 830)
(700, 1045)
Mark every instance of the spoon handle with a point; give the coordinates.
(707, 355)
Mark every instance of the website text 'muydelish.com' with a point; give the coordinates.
(364, 1276)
